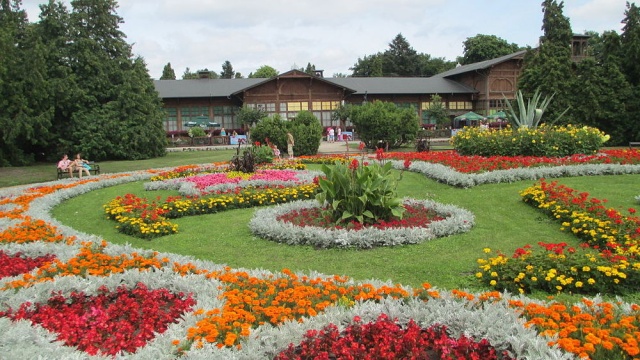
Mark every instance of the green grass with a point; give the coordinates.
(503, 222)
(12, 176)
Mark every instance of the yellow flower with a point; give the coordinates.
(493, 283)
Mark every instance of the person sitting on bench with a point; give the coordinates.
(81, 165)
(66, 165)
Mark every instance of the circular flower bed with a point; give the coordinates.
(269, 224)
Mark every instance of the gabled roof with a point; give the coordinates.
(397, 85)
(202, 87)
(195, 88)
(293, 74)
(482, 65)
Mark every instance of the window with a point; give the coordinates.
(460, 105)
(426, 105)
(324, 105)
(266, 107)
(408, 105)
(191, 113)
(297, 106)
(171, 121)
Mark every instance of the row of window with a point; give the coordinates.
(323, 110)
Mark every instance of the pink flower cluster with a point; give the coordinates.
(204, 181)
(110, 322)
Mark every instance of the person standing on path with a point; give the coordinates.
(290, 143)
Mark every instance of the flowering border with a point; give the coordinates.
(497, 317)
(265, 224)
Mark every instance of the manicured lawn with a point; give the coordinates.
(503, 222)
(12, 176)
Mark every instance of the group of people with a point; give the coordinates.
(333, 134)
(78, 164)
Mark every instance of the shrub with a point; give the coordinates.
(384, 121)
(305, 128)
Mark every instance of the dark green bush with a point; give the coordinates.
(305, 128)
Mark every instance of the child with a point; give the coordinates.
(276, 151)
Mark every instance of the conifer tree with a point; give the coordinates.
(549, 67)
(168, 73)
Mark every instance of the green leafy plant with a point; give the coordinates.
(196, 131)
(358, 192)
(529, 114)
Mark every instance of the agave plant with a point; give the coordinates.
(530, 114)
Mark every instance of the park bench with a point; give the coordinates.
(633, 144)
(95, 170)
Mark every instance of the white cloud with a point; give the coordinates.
(331, 34)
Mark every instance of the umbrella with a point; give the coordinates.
(470, 116)
(500, 115)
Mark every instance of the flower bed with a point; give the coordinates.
(269, 224)
(233, 304)
(608, 263)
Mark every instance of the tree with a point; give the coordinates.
(438, 112)
(249, 116)
(25, 115)
(117, 114)
(384, 121)
(369, 66)
(310, 69)
(227, 71)
(630, 51)
(307, 132)
(168, 73)
(549, 68)
(189, 75)
(400, 59)
(341, 114)
(485, 47)
(264, 71)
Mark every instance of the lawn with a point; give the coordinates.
(503, 222)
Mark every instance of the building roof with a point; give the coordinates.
(482, 65)
(402, 85)
(194, 88)
(358, 85)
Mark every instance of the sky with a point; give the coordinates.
(330, 34)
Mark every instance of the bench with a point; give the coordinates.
(633, 144)
(95, 170)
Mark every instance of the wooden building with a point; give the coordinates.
(480, 87)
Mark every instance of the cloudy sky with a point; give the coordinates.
(331, 34)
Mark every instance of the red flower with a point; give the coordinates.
(257, 143)
(361, 146)
(354, 164)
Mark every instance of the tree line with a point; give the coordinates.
(601, 89)
(69, 83)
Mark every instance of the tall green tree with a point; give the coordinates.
(264, 71)
(400, 59)
(438, 112)
(105, 121)
(630, 56)
(25, 116)
(168, 73)
(227, 70)
(549, 67)
(485, 47)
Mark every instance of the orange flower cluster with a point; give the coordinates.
(33, 230)
(90, 261)
(252, 301)
(594, 332)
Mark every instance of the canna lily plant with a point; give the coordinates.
(365, 193)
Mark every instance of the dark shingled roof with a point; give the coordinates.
(202, 87)
(480, 65)
(397, 85)
(361, 85)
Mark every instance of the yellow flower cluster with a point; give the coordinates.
(138, 218)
